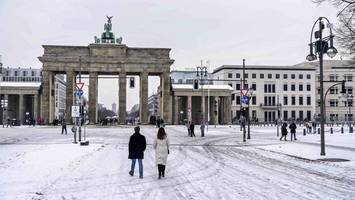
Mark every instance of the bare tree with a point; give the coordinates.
(345, 31)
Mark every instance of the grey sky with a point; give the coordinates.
(224, 32)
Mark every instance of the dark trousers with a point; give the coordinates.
(192, 133)
(64, 128)
(283, 136)
(293, 135)
(161, 170)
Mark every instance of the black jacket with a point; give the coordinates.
(136, 146)
(293, 128)
(284, 130)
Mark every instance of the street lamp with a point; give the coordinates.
(181, 113)
(321, 47)
(201, 73)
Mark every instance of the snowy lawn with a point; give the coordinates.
(40, 163)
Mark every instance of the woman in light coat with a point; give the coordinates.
(161, 146)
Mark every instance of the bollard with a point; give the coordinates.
(331, 130)
(342, 129)
(351, 129)
(304, 131)
(318, 130)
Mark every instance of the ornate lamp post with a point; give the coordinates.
(321, 47)
(201, 72)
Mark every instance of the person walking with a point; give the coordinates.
(161, 146)
(192, 129)
(188, 124)
(9, 122)
(293, 128)
(202, 127)
(283, 131)
(64, 126)
(136, 148)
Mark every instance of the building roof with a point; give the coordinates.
(267, 67)
(211, 87)
(20, 84)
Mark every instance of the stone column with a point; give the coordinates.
(6, 114)
(35, 106)
(21, 108)
(166, 98)
(93, 93)
(227, 106)
(143, 103)
(212, 111)
(189, 108)
(176, 110)
(51, 97)
(122, 84)
(222, 110)
(45, 96)
(69, 95)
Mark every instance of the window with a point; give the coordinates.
(237, 100)
(253, 75)
(348, 77)
(285, 87)
(333, 90)
(269, 76)
(285, 115)
(308, 76)
(189, 81)
(293, 87)
(277, 76)
(230, 75)
(300, 87)
(265, 88)
(309, 115)
(7, 73)
(273, 88)
(24, 73)
(333, 103)
(300, 100)
(300, 76)
(246, 86)
(233, 95)
(308, 100)
(15, 73)
(300, 114)
(349, 90)
(253, 86)
(269, 87)
(237, 86)
(293, 114)
(285, 76)
(261, 76)
(285, 100)
(180, 81)
(293, 76)
(293, 100)
(237, 75)
(246, 75)
(253, 100)
(33, 73)
(308, 87)
(333, 77)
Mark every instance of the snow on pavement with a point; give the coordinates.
(39, 163)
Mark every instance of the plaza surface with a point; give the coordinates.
(40, 163)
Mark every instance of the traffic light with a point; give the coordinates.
(131, 82)
(343, 90)
(195, 82)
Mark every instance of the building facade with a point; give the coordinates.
(60, 92)
(276, 92)
(338, 106)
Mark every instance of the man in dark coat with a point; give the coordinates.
(293, 130)
(136, 148)
(64, 126)
(283, 131)
(192, 129)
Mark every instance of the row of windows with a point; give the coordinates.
(335, 77)
(271, 100)
(335, 90)
(24, 73)
(269, 76)
(300, 87)
(300, 100)
(23, 79)
(335, 103)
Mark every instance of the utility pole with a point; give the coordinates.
(244, 109)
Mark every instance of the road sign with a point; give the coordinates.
(244, 100)
(75, 111)
(79, 86)
(80, 93)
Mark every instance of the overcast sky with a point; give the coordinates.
(273, 32)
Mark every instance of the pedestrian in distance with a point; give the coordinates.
(202, 127)
(136, 148)
(192, 129)
(284, 131)
(293, 128)
(9, 122)
(64, 126)
(161, 146)
(188, 128)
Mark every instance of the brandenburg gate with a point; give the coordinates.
(107, 56)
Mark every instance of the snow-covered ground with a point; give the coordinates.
(40, 163)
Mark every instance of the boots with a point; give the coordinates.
(163, 171)
(160, 171)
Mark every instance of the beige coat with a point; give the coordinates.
(161, 150)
